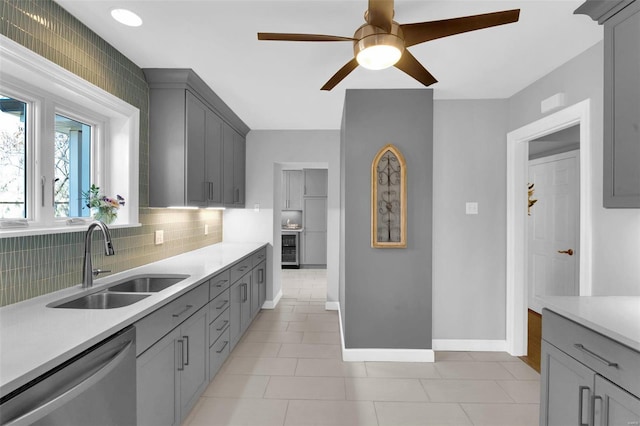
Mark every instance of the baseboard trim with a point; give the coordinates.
(332, 306)
(381, 354)
(271, 304)
(469, 345)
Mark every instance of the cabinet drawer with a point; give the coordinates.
(240, 268)
(218, 326)
(155, 325)
(218, 284)
(218, 305)
(610, 359)
(258, 257)
(218, 353)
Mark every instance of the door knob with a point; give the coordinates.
(569, 252)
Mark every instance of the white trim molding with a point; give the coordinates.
(517, 252)
(332, 306)
(271, 304)
(469, 345)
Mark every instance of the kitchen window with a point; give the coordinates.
(60, 134)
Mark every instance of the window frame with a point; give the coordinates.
(48, 89)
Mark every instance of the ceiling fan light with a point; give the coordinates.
(379, 57)
(376, 49)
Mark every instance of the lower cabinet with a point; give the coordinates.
(240, 309)
(258, 287)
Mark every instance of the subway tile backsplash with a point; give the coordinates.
(36, 265)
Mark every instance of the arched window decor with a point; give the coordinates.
(389, 199)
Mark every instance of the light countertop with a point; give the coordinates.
(35, 338)
(617, 317)
(292, 230)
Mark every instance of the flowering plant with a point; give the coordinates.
(102, 207)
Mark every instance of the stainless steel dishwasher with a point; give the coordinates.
(94, 388)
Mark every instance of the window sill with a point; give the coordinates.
(25, 232)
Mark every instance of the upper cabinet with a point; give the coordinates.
(315, 182)
(196, 143)
(292, 183)
(621, 20)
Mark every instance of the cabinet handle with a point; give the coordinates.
(220, 283)
(592, 412)
(42, 182)
(186, 340)
(210, 191)
(246, 292)
(581, 390)
(242, 268)
(182, 311)
(181, 368)
(224, 324)
(223, 346)
(608, 363)
(222, 305)
(260, 276)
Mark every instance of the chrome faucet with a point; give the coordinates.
(88, 272)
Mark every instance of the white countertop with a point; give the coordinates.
(292, 230)
(617, 317)
(35, 338)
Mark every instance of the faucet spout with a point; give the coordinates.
(88, 272)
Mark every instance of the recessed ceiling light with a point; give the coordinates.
(126, 17)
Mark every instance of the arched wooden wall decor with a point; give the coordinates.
(389, 199)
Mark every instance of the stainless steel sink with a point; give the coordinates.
(102, 300)
(147, 284)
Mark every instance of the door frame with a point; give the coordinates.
(517, 250)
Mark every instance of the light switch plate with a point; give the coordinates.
(472, 208)
(159, 237)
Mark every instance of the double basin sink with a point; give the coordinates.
(121, 294)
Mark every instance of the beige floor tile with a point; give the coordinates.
(384, 389)
(282, 307)
(413, 370)
(330, 368)
(420, 413)
(521, 371)
(281, 316)
(452, 356)
(523, 391)
(274, 336)
(323, 338)
(321, 388)
(472, 370)
(237, 386)
(329, 316)
(256, 349)
(309, 309)
(260, 366)
(318, 326)
(238, 412)
(309, 350)
(493, 356)
(447, 390)
(331, 413)
(502, 414)
(263, 325)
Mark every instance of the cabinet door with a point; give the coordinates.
(614, 406)
(315, 182)
(294, 189)
(157, 383)
(192, 362)
(566, 389)
(245, 309)
(227, 165)
(315, 248)
(195, 147)
(235, 313)
(255, 291)
(213, 151)
(315, 214)
(260, 276)
(239, 164)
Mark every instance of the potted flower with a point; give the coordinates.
(103, 208)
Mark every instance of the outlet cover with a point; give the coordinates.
(159, 237)
(472, 208)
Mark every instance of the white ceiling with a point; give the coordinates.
(276, 85)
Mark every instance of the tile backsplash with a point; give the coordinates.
(36, 265)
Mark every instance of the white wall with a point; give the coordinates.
(616, 232)
(268, 151)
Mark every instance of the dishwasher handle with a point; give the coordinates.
(61, 399)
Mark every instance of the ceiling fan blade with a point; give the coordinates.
(425, 31)
(410, 65)
(340, 75)
(380, 14)
(301, 37)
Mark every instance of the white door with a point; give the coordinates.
(554, 227)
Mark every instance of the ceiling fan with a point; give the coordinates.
(382, 42)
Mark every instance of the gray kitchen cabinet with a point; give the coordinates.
(292, 188)
(315, 182)
(258, 287)
(240, 308)
(621, 20)
(187, 127)
(586, 378)
(314, 238)
(192, 357)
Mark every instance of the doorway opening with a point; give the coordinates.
(518, 142)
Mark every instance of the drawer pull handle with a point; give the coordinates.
(608, 363)
(186, 341)
(581, 390)
(223, 346)
(224, 324)
(241, 269)
(181, 368)
(222, 305)
(182, 311)
(220, 283)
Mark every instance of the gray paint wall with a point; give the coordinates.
(387, 292)
(469, 257)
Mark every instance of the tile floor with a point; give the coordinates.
(287, 371)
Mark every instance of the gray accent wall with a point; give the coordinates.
(386, 294)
